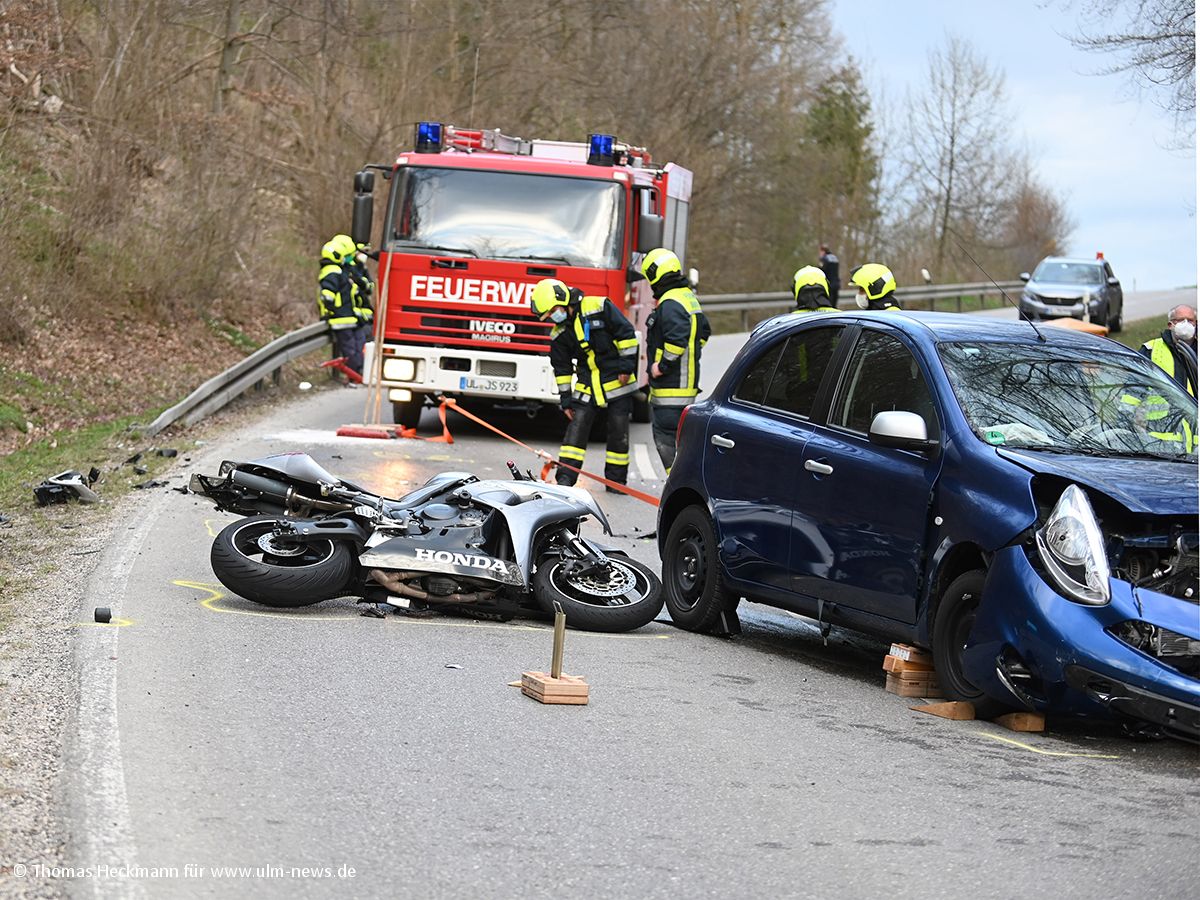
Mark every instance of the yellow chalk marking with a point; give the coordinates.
(208, 524)
(210, 602)
(1032, 749)
(112, 623)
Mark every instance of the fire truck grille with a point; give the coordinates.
(509, 331)
(498, 368)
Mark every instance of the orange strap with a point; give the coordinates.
(551, 462)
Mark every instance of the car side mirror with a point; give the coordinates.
(1114, 280)
(901, 430)
(1024, 276)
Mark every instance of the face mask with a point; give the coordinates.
(861, 300)
(558, 315)
(1184, 330)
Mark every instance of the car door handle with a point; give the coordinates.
(718, 441)
(812, 465)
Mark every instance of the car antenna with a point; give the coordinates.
(1004, 293)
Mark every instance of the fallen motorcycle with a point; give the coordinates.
(493, 548)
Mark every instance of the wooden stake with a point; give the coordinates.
(560, 636)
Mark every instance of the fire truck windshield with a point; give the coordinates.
(508, 215)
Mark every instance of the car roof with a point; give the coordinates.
(1073, 259)
(937, 326)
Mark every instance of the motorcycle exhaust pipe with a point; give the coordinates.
(268, 487)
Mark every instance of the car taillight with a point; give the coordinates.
(679, 427)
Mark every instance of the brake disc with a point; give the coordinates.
(267, 543)
(617, 582)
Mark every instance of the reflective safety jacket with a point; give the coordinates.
(336, 298)
(675, 333)
(363, 290)
(820, 309)
(1163, 356)
(590, 350)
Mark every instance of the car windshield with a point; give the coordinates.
(1056, 272)
(508, 215)
(1070, 399)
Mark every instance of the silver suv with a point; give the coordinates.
(1083, 289)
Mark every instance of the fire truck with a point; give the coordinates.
(474, 219)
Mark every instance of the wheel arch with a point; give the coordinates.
(669, 511)
(953, 562)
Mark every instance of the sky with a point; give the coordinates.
(1092, 139)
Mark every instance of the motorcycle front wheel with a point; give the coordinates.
(627, 597)
(249, 559)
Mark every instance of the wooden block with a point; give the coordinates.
(909, 653)
(959, 710)
(898, 685)
(1022, 721)
(569, 689)
(896, 664)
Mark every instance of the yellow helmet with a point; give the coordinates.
(658, 263)
(547, 294)
(338, 249)
(809, 277)
(874, 280)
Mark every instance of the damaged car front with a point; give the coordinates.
(1093, 607)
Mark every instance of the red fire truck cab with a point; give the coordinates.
(473, 220)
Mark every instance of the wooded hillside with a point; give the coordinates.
(179, 162)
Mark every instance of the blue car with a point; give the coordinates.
(1020, 499)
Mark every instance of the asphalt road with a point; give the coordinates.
(214, 733)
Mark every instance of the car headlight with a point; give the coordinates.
(1071, 547)
(1028, 297)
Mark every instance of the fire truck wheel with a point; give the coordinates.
(641, 408)
(408, 412)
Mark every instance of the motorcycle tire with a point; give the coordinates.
(585, 604)
(293, 576)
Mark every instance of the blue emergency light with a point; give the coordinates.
(429, 137)
(600, 149)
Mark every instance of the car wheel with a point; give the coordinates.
(695, 594)
(952, 623)
(1115, 325)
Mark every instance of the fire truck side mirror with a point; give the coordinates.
(650, 232)
(363, 210)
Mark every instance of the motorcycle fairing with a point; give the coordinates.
(406, 555)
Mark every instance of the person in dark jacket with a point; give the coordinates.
(829, 265)
(675, 335)
(1174, 351)
(364, 293)
(594, 354)
(336, 300)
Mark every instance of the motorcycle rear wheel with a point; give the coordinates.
(589, 610)
(291, 576)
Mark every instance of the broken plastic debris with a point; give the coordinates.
(168, 451)
(64, 486)
(103, 615)
(150, 484)
(453, 666)
(305, 386)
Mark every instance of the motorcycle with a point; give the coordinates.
(491, 548)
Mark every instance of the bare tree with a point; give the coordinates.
(957, 155)
(1152, 40)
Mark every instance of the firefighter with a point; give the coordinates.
(594, 354)
(336, 301)
(811, 290)
(876, 284)
(675, 335)
(364, 293)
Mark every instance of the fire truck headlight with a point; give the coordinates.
(399, 369)
(399, 395)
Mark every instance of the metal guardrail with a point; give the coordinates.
(916, 297)
(239, 378)
(268, 360)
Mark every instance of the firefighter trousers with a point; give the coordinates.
(574, 445)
